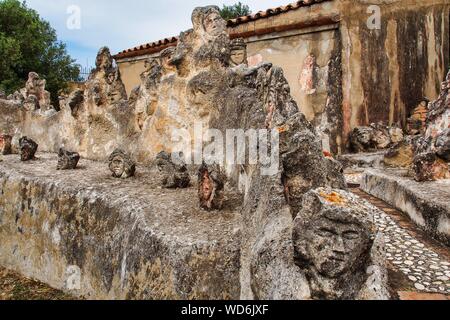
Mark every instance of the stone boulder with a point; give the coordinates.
(429, 167)
(67, 160)
(442, 145)
(174, 175)
(400, 155)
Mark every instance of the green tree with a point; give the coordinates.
(234, 11)
(29, 43)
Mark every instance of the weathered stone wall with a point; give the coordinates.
(311, 64)
(125, 239)
(387, 72)
(131, 70)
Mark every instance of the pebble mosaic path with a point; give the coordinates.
(424, 262)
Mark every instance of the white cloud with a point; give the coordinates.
(122, 24)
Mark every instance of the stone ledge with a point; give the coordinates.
(128, 239)
(357, 162)
(426, 203)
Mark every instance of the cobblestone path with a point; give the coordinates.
(424, 262)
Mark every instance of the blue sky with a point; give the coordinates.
(122, 24)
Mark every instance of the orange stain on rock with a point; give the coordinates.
(333, 197)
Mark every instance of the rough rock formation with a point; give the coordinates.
(432, 149)
(334, 242)
(104, 86)
(67, 160)
(5, 144)
(401, 156)
(211, 182)
(442, 145)
(34, 96)
(121, 165)
(361, 139)
(174, 175)
(429, 167)
(28, 149)
(417, 120)
(375, 137)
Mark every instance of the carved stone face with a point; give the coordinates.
(117, 166)
(121, 165)
(28, 149)
(214, 24)
(5, 144)
(166, 59)
(334, 247)
(238, 56)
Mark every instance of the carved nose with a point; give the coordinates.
(338, 246)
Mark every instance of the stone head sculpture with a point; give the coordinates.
(104, 59)
(208, 22)
(211, 182)
(33, 83)
(67, 160)
(166, 59)
(28, 149)
(5, 144)
(238, 52)
(174, 174)
(333, 237)
(121, 165)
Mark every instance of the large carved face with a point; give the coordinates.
(214, 24)
(334, 246)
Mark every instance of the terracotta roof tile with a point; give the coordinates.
(154, 47)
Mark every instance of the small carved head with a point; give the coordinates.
(28, 149)
(5, 144)
(104, 59)
(166, 59)
(238, 52)
(121, 164)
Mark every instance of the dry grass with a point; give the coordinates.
(16, 287)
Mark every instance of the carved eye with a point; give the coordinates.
(323, 232)
(351, 235)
